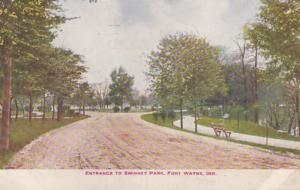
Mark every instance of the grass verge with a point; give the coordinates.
(159, 121)
(247, 127)
(168, 123)
(23, 132)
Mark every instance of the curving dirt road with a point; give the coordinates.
(124, 141)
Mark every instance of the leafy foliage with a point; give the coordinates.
(121, 86)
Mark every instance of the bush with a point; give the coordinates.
(172, 115)
(155, 115)
(163, 115)
(215, 111)
(70, 113)
(116, 109)
(205, 112)
(77, 114)
(40, 108)
(126, 109)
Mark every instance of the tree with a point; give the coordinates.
(237, 70)
(25, 26)
(64, 76)
(203, 72)
(271, 100)
(165, 75)
(135, 98)
(185, 68)
(242, 46)
(121, 87)
(27, 79)
(277, 34)
(83, 96)
(102, 93)
(252, 40)
(233, 73)
(143, 100)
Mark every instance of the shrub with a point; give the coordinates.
(70, 113)
(77, 114)
(215, 111)
(126, 109)
(116, 109)
(205, 112)
(171, 115)
(163, 115)
(40, 108)
(155, 115)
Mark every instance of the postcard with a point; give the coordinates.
(150, 94)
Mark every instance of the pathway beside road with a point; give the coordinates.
(188, 123)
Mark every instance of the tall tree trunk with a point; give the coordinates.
(242, 50)
(23, 107)
(80, 109)
(7, 72)
(291, 121)
(44, 106)
(83, 109)
(245, 88)
(295, 129)
(122, 104)
(53, 108)
(181, 113)
(196, 125)
(100, 106)
(276, 118)
(30, 108)
(271, 121)
(17, 109)
(297, 108)
(256, 111)
(10, 110)
(59, 108)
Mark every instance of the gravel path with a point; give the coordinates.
(124, 141)
(189, 125)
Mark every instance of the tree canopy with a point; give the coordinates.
(185, 67)
(121, 86)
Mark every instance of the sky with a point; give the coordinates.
(113, 33)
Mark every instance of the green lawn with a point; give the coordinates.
(168, 123)
(23, 132)
(246, 127)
